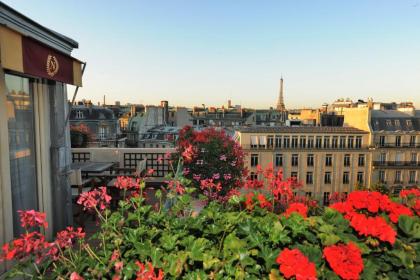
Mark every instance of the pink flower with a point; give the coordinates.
(76, 276)
(32, 218)
(216, 176)
(186, 171)
(97, 198)
(223, 157)
(125, 182)
(227, 176)
(188, 154)
(200, 162)
(197, 177)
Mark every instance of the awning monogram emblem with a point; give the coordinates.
(52, 65)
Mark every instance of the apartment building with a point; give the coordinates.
(323, 159)
(394, 137)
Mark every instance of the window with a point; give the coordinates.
(294, 142)
(254, 141)
(79, 115)
(279, 160)
(253, 176)
(398, 141)
(310, 142)
(254, 159)
(262, 141)
(22, 151)
(413, 159)
(346, 160)
(318, 142)
(342, 142)
(360, 177)
(382, 176)
(326, 199)
(412, 140)
(346, 177)
(358, 142)
(350, 143)
(361, 161)
(270, 141)
(328, 160)
(398, 176)
(409, 124)
(309, 178)
(382, 158)
(326, 142)
(335, 142)
(302, 142)
(382, 141)
(278, 141)
(412, 177)
(327, 178)
(308, 194)
(310, 160)
(388, 123)
(294, 175)
(286, 142)
(295, 159)
(397, 123)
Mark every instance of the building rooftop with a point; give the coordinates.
(302, 129)
(393, 120)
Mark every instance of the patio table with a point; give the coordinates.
(92, 167)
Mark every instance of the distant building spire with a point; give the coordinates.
(280, 102)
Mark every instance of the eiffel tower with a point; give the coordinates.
(280, 101)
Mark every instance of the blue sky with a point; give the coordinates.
(193, 52)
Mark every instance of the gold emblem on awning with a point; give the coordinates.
(52, 65)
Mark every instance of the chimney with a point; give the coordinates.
(132, 110)
(229, 103)
(104, 101)
(165, 105)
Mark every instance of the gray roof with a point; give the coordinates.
(302, 129)
(392, 120)
(93, 113)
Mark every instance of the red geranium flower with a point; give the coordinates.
(294, 263)
(76, 276)
(297, 207)
(249, 203)
(264, 203)
(97, 198)
(32, 218)
(148, 273)
(345, 260)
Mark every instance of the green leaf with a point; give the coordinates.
(328, 239)
(410, 226)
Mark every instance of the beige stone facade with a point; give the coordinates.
(324, 159)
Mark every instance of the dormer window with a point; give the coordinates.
(388, 123)
(79, 115)
(409, 124)
(397, 122)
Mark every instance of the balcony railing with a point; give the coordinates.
(393, 145)
(415, 164)
(127, 158)
(298, 147)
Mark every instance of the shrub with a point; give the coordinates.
(210, 155)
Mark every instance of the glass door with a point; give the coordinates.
(22, 153)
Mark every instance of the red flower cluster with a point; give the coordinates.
(373, 226)
(297, 207)
(148, 273)
(176, 186)
(127, 183)
(410, 192)
(32, 218)
(262, 200)
(373, 203)
(65, 238)
(210, 188)
(95, 199)
(188, 154)
(411, 198)
(345, 260)
(28, 244)
(294, 263)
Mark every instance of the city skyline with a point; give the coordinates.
(193, 53)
